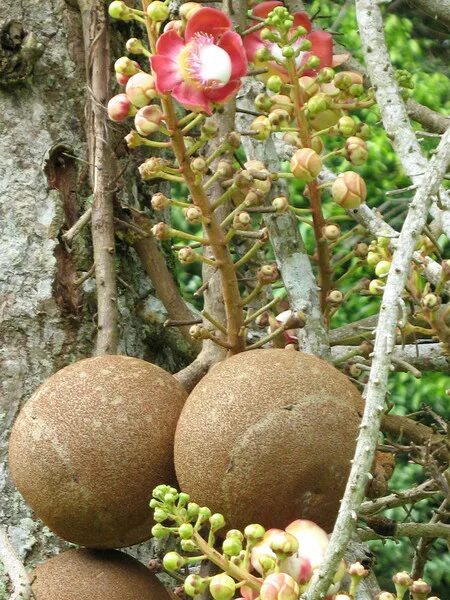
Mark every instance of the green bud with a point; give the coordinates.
(263, 102)
(254, 532)
(217, 521)
(119, 10)
(160, 491)
(159, 531)
(266, 34)
(222, 587)
(300, 30)
(232, 546)
(382, 268)
(154, 503)
(268, 563)
(287, 51)
(305, 45)
(192, 510)
(356, 90)
(194, 585)
(318, 103)
(326, 75)
(188, 546)
(160, 515)
(173, 561)
(185, 531)
(183, 499)
(376, 287)
(274, 84)
(263, 54)
(203, 514)
(342, 81)
(373, 258)
(235, 533)
(135, 46)
(170, 498)
(313, 62)
(364, 131)
(346, 126)
(158, 11)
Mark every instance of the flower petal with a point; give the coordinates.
(224, 93)
(322, 46)
(207, 20)
(231, 42)
(252, 43)
(166, 72)
(191, 97)
(301, 18)
(264, 8)
(169, 44)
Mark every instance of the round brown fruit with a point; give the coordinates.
(90, 445)
(95, 575)
(267, 437)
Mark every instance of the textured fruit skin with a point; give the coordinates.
(95, 575)
(90, 445)
(267, 437)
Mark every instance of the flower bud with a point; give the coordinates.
(317, 144)
(159, 201)
(134, 140)
(445, 265)
(419, 589)
(309, 86)
(263, 102)
(268, 563)
(173, 561)
(361, 250)
(193, 214)
(283, 544)
(210, 129)
(186, 255)
(125, 66)
(140, 89)
(161, 231)
(325, 119)
(267, 274)
(313, 61)
(253, 198)
(194, 585)
(192, 510)
(280, 204)
(373, 258)
(376, 287)
(431, 301)
(119, 10)
(274, 83)
(185, 531)
(363, 131)
(342, 80)
(385, 596)
(151, 167)
(217, 521)
(354, 370)
(279, 118)
(382, 268)
(199, 164)
(356, 90)
(122, 79)
(135, 46)
(402, 581)
(119, 108)
(326, 75)
(279, 586)
(233, 140)
(357, 570)
(346, 126)
(232, 546)
(349, 190)
(306, 164)
(331, 232)
(335, 298)
(318, 103)
(188, 9)
(199, 332)
(225, 169)
(148, 119)
(262, 128)
(160, 515)
(356, 150)
(254, 532)
(159, 531)
(235, 533)
(242, 221)
(222, 587)
(158, 11)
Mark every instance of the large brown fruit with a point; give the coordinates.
(267, 437)
(90, 445)
(95, 575)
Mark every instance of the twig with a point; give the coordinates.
(422, 491)
(69, 235)
(97, 58)
(411, 530)
(376, 389)
(14, 569)
(85, 277)
(420, 555)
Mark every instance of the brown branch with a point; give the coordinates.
(420, 555)
(97, 58)
(14, 569)
(400, 498)
(77, 227)
(411, 530)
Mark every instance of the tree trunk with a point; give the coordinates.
(47, 317)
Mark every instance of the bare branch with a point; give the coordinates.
(384, 342)
(290, 253)
(422, 491)
(78, 226)
(15, 570)
(420, 555)
(424, 357)
(411, 530)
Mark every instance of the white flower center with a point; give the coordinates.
(215, 64)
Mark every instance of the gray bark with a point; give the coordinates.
(45, 320)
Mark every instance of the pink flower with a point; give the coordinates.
(119, 108)
(312, 545)
(279, 586)
(203, 68)
(322, 42)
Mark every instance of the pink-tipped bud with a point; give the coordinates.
(159, 201)
(222, 587)
(357, 570)
(119, 108)
(148, 119)
(279, 118)
(306, 164)
(140, 89)
(356, 150)
(349, 190)
(262, 128)
(135, 46)
(161, 231)
(419, 589)
(194, 585)
(126, 66)
(177, 25)
(193, 215)
(279, 586)
(122, 79)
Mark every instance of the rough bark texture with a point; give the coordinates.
(46, 321)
